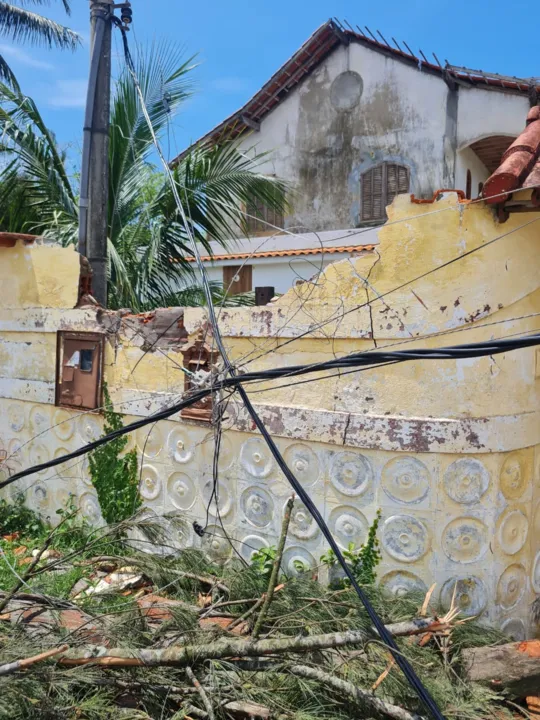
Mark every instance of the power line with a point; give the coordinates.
(317, 326)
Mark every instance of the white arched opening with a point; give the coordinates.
(477, 160)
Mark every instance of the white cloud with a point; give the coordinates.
(230, 84)
(15, 54)
(68, 94)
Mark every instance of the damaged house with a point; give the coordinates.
(351, 121)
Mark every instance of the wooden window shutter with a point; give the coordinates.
(379, 186)
(237, 279)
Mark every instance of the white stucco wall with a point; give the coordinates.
(404, 115)
(281, 273)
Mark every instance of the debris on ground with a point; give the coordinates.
(95, 628)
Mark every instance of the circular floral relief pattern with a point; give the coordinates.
(40, 420)
(515, 629)
(303, 525)
(406, 480)
(511, 586)
(40, 493)
(348, 525)
(67, 470)
(181, 490)
(89, 427)
(512, 531)
(220, 499)
(470, 595)
(304, 464)
(513, 480)
(401, 582)
(89, 506)
(465, 540)
(39, 454)
(256, 458)
(250, 545)
(64, 424)
(536, 574)
(297, 560)
(16, 417)
(405, 538)
(257, 506)
(179, 446)
(15, 449)
(226, 450)
(150, 441)
(215, 545)
(466, 480)
(351, 474)
(84, 471)
(150, 485)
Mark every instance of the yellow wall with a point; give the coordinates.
(448, 450)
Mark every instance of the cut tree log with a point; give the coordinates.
(514, 667)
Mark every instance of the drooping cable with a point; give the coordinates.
(401, 661)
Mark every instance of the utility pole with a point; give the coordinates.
(98, 160)
(94, 191)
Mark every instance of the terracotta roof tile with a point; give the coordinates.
(9, 240)
(286, 253)
(520, 164)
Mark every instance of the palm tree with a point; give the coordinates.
(21, 24)
(147, 244)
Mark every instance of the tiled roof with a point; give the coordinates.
(323, 41)
(520, 164)
(286, 253)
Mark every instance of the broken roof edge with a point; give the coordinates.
(325, 39)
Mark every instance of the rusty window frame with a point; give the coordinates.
(69, 335)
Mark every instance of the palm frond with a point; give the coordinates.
(25, 26)
(7, 75)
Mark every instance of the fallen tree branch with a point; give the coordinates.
(28, 573)
(514, 667)
(10, 668)
(363, 698)
(204, 697)
(275, 569)
(231, 648)
(219, 650)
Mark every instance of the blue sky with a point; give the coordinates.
(239, 45)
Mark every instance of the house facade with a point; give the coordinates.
(350, 122)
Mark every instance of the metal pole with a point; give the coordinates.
(98, 160)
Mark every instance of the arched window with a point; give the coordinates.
(380, 185)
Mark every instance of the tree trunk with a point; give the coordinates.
(514, 667)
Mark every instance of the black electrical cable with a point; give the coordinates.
(356, 360)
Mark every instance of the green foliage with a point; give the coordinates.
(20, 24)
(17, 518)
(74, 528)
(263, 560)
(148, 241)
(115, 478)
(362, 561)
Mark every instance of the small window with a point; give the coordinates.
(263, 220)
(379, 186)
(468, 186)
(237, 279)
(87, 361)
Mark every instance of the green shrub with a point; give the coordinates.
(362, 561)
(115, 478)
(17, 518)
